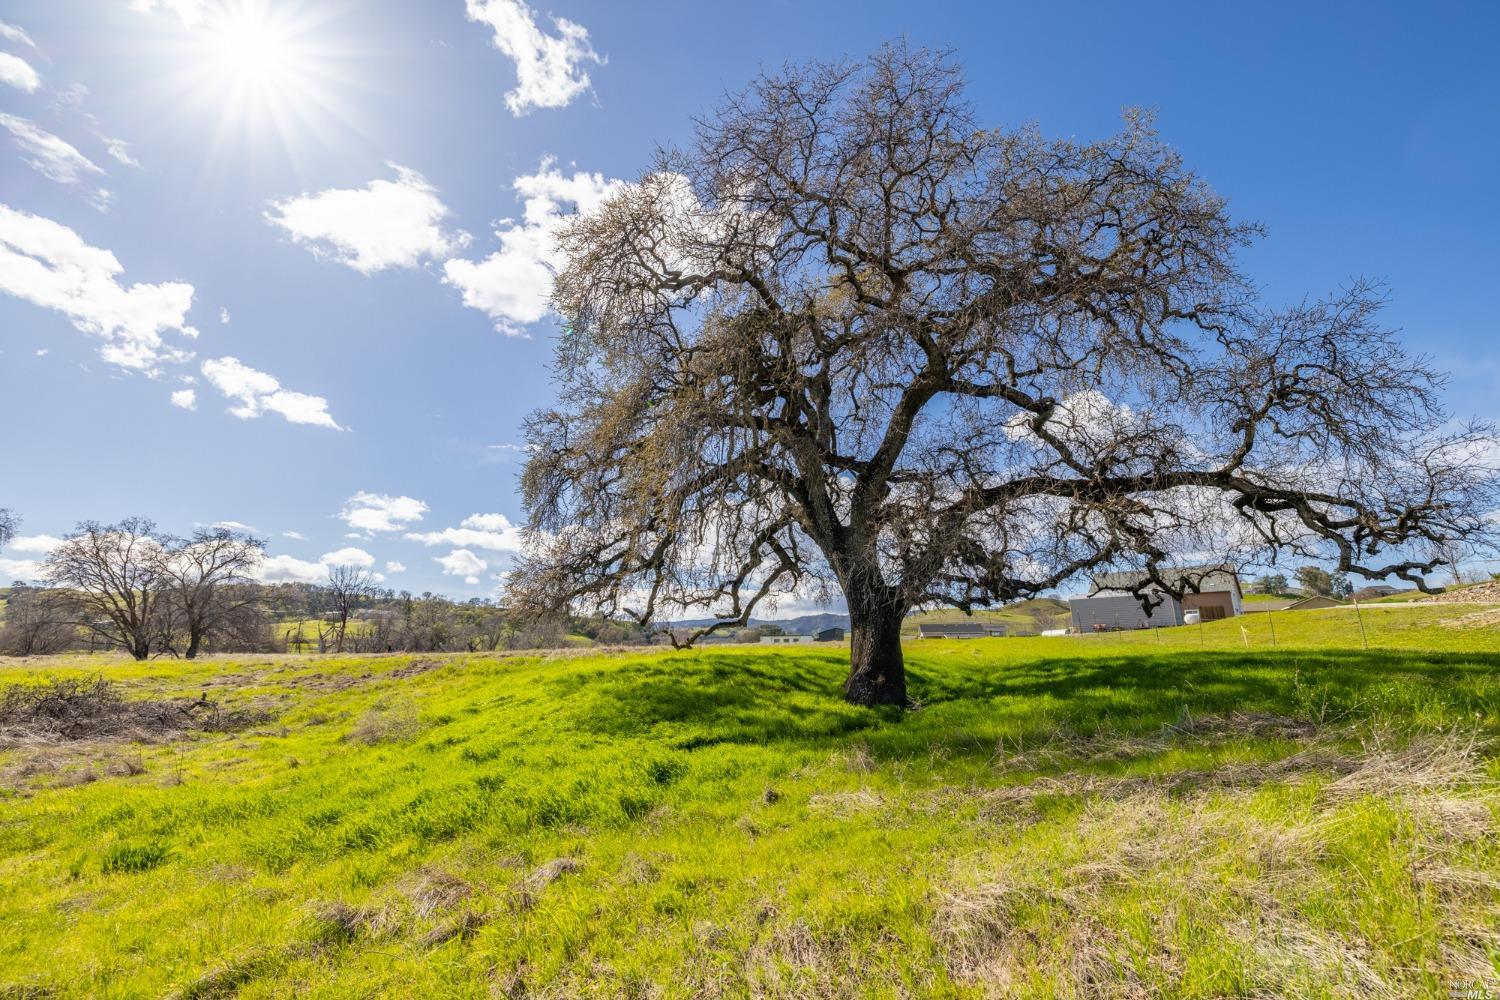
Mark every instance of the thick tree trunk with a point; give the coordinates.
(195, 640)
(877, 671)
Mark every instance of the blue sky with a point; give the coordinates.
(363, 190)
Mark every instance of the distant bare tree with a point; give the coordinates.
(854, 341)
(204, 572)
(244, 625)
(348, 588)
(1456, 556)
(38, 621)
(1043, 618)
(8, 525)
(117, 576)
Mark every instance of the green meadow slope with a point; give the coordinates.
(1017, 617)
(1195, 813)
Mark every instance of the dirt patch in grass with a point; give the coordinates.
(414, 669)
(68, 710)
(335, 682)
(1489, 618)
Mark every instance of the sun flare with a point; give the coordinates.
(263, 73)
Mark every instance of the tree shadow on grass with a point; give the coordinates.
(708, 698)
(702, 699)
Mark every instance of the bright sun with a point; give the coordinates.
(263, 72)
(250, 46)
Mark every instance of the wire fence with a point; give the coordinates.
(1450, 626)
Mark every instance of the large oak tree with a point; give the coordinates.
(853, 341)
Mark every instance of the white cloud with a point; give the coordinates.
(514, 284)
(494, 532)
(296, 536)
(20, 569)
(53, 157)
(189, 11)
(18, 73)
(487, 522)
(381, 512)
(14, 34)
(70, 99)
(258, 393)
(185, 399)
(462, 562)
(1087, 420)
(290, 569)
(232, 525)
(224, 316)
(120, 150)
(384, 224)
(51, 266)
(395, 567)
(549, 68)
(42, 352)
(41, 544)
(349, 557)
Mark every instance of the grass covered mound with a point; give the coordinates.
(1093, 817)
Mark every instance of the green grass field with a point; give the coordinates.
(1192, 813)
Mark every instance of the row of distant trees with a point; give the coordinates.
(131, 587)
(1461, 563)
(1310, 580)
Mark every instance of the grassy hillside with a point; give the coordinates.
(1174, 815)
(1017, 616)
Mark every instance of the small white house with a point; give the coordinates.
(784, 640)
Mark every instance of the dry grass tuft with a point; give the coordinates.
(530, 889)
(846, 803)
(859, 760)
(794, 960)
(462, 927)
(127, 767)
(1050, 915)
(1062, 748)
(386, 724)
(432, 889)
(1450, 763)
(336, 923)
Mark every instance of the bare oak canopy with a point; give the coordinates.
(851, 340)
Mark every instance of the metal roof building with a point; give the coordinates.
(1113, 606)
(959, 630)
